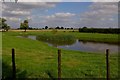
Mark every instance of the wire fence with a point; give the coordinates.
(59, 65)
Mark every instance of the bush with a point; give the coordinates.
(57, 39)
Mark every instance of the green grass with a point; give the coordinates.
(35, 59)
(57, 39)
(96, 37)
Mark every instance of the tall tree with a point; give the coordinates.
(3, 24)
(57, 27)
(62, 27)
(46, 27)
(24, 25)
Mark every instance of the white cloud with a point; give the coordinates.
(33, 0)
(105, 0)
(13, 19)
(111, 19)
(0, 9)
(58, 19)
(90, 0)
(64, 14)
(27, 5)
(62, 0)
(60, 16)
(23, 9)
(101, 14)
(19, 12)
(39, 0)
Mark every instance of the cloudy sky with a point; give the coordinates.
(90, 13)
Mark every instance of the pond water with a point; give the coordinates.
(85, 46)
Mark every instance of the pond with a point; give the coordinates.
(83, 46)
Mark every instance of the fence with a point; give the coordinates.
(59, 65)
(13, 65)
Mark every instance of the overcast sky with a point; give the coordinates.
(89, 13)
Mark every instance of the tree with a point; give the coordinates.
(21, 26)
(57, 27)
(62, 27)
(46, 27)
(85, 29)
(24, 25)
(7, 28)
(3, 24)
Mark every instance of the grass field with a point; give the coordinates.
(96, 37)
(35, 59)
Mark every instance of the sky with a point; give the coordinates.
(67, 13)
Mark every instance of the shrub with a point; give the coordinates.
(57, 39)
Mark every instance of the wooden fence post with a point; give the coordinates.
(59, 64)
(13, 65)
(107, 65)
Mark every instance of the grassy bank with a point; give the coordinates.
(94, 37)
(35, 59)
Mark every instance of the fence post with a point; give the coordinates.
(59, 64)
(13, 65)
(107, 65)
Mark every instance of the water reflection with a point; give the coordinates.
(91, 47)
(82, 45)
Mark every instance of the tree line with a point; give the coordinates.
(100, 30)
(25, 25)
